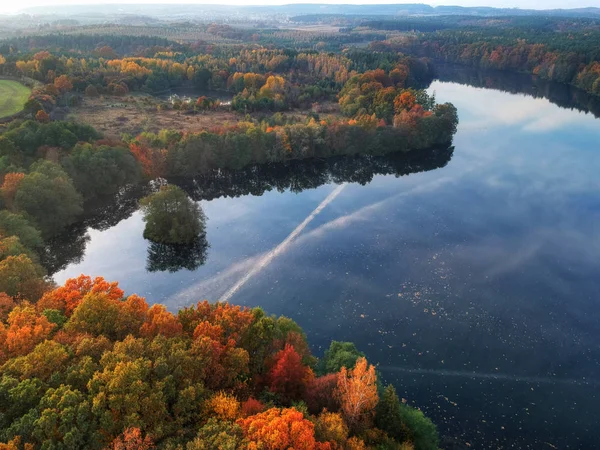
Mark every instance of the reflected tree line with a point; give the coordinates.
(563, 95)
(297, 176)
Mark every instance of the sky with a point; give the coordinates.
(7, 6)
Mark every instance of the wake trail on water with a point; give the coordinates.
(492, 376)
(272, 254)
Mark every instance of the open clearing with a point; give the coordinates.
(133, 114)
(114, 116)
(13, 96)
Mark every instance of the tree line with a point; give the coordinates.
(262, 78)
(566, 54)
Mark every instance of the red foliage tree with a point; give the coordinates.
(288, 376)
(320, 394)
(251, 407)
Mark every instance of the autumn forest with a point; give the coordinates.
(181, 112)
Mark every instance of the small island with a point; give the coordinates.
(171, 217)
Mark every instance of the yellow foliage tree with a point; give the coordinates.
(357, 392)
(224, 406)
(330, 427)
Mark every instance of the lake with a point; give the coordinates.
(471, 279)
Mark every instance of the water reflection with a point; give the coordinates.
(101, 214)
(65, 249)
(563, 95)
(173, 257)
(296, 176)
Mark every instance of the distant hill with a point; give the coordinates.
(207, 11)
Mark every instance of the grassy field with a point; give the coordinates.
(13, 96)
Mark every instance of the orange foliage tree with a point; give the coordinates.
(160, 321)
(15, 444)
(6, 305)
(67, 297)
(234, 321)
(42, 116)
(44, 54)
(10, 186)
(404, 101)
(357, 392)
(151, 160)
(280, 429)
(63, 83)
(131, 439)
(25, 330)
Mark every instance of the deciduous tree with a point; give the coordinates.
(279, 429)
(132, 439)
(357, 392)
(63, 84)
(10, 186)
(288, 376)
(42, 116)
(26, 329)
(67, 297)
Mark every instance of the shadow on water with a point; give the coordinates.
(69, 247)
(563, 95)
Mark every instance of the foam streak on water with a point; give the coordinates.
(491, 376)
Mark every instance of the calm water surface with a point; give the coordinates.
(474, 286)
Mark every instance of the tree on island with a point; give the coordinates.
(171, 217)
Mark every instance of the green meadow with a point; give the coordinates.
(13, 96)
